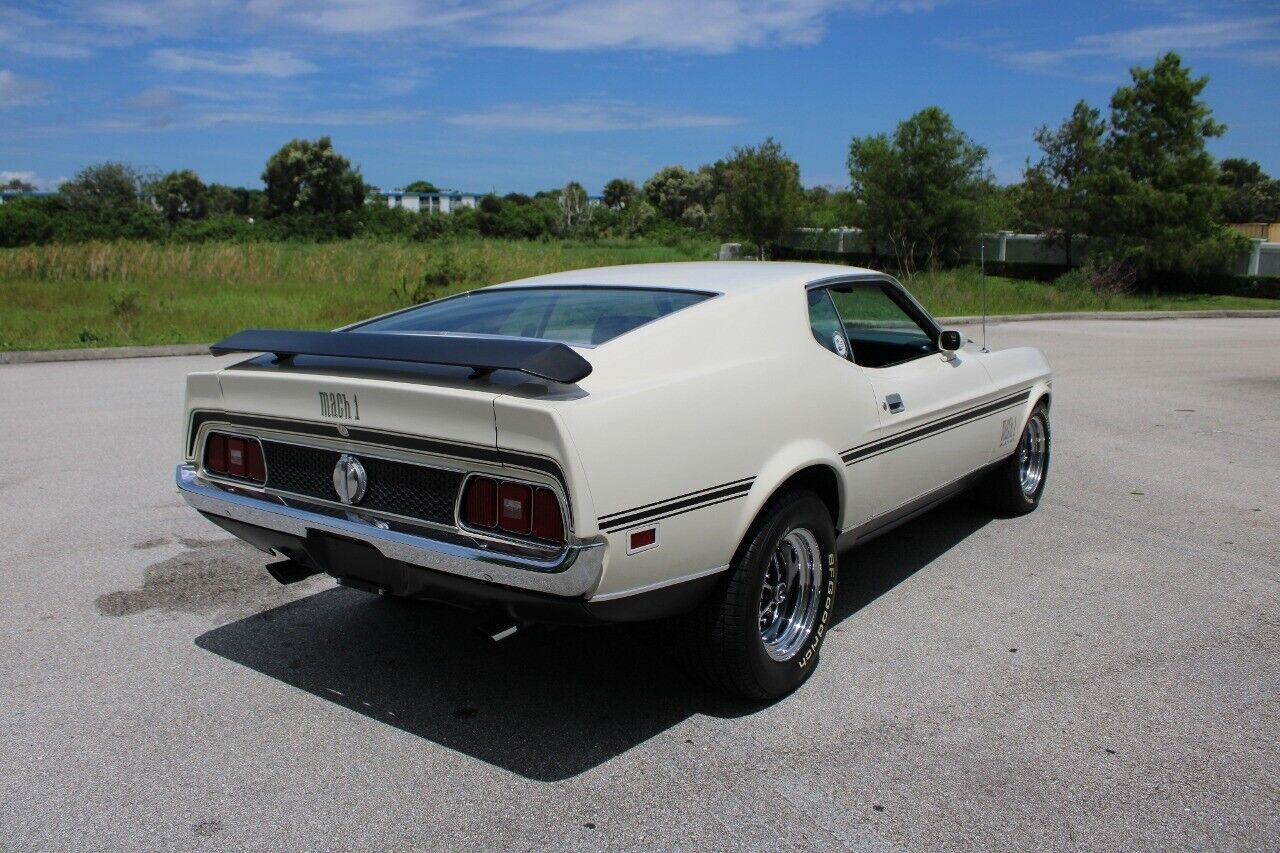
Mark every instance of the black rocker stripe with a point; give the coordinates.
(659, 504)
(677, 507)
(679, 512)
(436, 446)
(944, 424)
(925, 436)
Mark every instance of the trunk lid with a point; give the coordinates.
(442, 403)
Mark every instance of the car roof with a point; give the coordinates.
(727, 277)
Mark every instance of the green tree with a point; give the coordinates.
(573, 207)
(922, 188)
(180, 195)
(104, 188)
(517, 216)
(1253, 196)
(24, 221)
(421, 187)
(311, 177)
(1155, 201)
(105, 202)
(1000, 207)
(240, 201)
(762, 196)
(1055, 189)
(830, 207)
(619, 193)
(675, 188)
(18, 185)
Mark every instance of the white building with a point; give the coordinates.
(440, 201)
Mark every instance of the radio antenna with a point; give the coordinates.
(982, 273)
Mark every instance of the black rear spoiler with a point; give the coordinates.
(484, 354)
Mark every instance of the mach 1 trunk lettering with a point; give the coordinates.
(333, 405)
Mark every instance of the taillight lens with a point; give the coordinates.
(235, 456)
(514, 508)
(548, 523)
(237, 464)
(215, 454)
(481, 506)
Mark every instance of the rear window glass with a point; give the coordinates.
(574, 315)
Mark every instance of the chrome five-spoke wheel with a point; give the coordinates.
(1031, 456)
(790, 594)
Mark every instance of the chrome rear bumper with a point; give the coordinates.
(572, 571)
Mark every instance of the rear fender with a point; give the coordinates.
(783, 465)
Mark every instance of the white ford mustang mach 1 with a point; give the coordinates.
(673, 440)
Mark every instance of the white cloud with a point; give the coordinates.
(207, 94)
(155, 99)
(1145, 43)
(31, 178)
(261, 61)
(259, 116)
(162, 17)
(45, 49)
(702, 26)
(585, 116)
(18, 91)
(707, 26)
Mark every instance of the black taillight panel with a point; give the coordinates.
(512, 508)
(238, 457)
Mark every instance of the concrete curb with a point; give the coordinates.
(1114, 315)
(101, 353)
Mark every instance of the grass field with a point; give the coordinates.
(125, 293)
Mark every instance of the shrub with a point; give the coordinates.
(228, 228)
(126, 307)
(24, 221)
(1073, 281)
(1111, 279)
(445, 271)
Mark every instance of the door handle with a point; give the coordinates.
(893, 404)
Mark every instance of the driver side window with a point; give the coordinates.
(880, 330)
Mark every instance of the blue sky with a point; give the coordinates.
(528, 94)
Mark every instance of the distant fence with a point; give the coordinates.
(1268, 231)
(1004, 248)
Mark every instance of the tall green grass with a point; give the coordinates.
(958, 292)
(129, 292)
(71, 295)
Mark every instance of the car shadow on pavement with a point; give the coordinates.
(869, 571)
(547, 704)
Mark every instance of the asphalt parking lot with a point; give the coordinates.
(1103, 674)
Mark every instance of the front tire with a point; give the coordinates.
(758, 633)
(1016, 485)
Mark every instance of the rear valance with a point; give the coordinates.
(544, 359)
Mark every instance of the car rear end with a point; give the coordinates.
(390, 478)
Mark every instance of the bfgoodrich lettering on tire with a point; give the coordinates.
(759, 632)
(1015, 486)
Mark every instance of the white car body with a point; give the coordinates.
(689, 424)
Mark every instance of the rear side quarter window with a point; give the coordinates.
(825, 323)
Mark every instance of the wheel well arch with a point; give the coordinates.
(819, 478)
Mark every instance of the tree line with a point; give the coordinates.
(1137, 180)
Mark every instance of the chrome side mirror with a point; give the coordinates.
(950, 340)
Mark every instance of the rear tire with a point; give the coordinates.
(758, 633)
(1015, 486)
